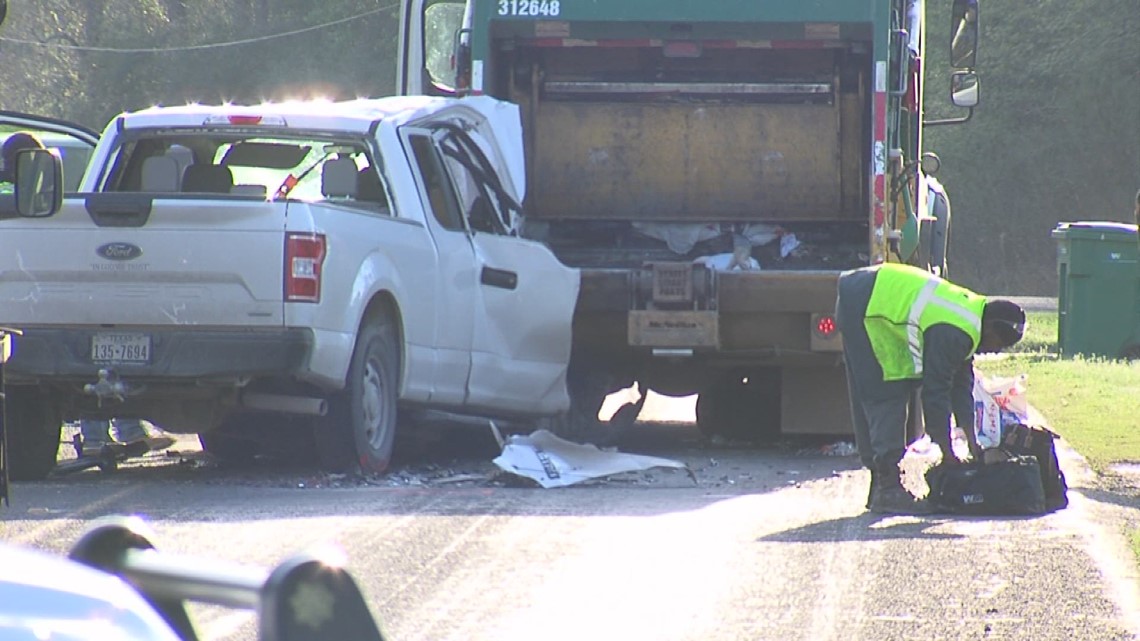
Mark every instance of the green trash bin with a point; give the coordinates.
(1098, 274)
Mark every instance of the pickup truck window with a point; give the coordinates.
(486, 205)
(462, 186)
(441, 199)
(250, 164)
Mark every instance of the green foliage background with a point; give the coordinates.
(175, 51)
(1056, 138)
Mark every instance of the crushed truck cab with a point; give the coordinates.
(260, 273)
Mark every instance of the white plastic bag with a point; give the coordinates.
(1009, 394)
(987, 416)
(998, 403)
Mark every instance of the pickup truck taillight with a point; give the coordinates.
(304, 255)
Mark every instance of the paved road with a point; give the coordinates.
(767, 543)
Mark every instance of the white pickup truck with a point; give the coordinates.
(286, 271)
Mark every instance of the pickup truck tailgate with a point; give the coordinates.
(177, 262)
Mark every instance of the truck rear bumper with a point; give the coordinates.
(757, 313)
(763, 322)
(68, 353)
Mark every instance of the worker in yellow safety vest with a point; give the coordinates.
(905, 329)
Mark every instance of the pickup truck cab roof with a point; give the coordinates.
(353, 115)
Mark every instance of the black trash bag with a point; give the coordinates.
(1006, 488)
(1036, 441)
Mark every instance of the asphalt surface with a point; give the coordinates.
(760, 542)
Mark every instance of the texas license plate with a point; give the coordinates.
(120, 348)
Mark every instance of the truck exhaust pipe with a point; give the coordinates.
(284, 403)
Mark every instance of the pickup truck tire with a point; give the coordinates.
(33, 431)
(362, 418)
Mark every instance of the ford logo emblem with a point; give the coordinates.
(119, 251)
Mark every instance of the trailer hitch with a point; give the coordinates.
(110, 386)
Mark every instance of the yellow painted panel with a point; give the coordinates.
(677, 161)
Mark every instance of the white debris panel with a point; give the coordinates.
(555, 462)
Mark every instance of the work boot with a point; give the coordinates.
(888, 496)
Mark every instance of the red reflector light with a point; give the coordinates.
(825, 326)
(245, 120)
(304, 259)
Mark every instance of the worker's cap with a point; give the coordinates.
(1006, 319)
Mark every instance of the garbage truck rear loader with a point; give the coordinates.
(711, 168)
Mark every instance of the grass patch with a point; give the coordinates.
(1040, 334)
(1093, 403)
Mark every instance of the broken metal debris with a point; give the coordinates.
(554, 462)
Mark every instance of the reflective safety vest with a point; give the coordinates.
(904, 303)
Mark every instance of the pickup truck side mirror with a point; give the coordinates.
(39, 183)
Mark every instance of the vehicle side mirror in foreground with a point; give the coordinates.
(39, 183)
(309, 596)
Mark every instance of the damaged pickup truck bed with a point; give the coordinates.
(247, 272)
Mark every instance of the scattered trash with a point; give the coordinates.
(788, 244)
(839, 448)
(718, 440)
(554, 462)
(460, 478)
(729, 262)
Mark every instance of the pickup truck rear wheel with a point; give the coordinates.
(362, 418)
(33, 431)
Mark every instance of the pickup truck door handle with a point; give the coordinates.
(501, 278)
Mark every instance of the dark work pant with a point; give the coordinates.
(878, 407)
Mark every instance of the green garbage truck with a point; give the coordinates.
(711, 168)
